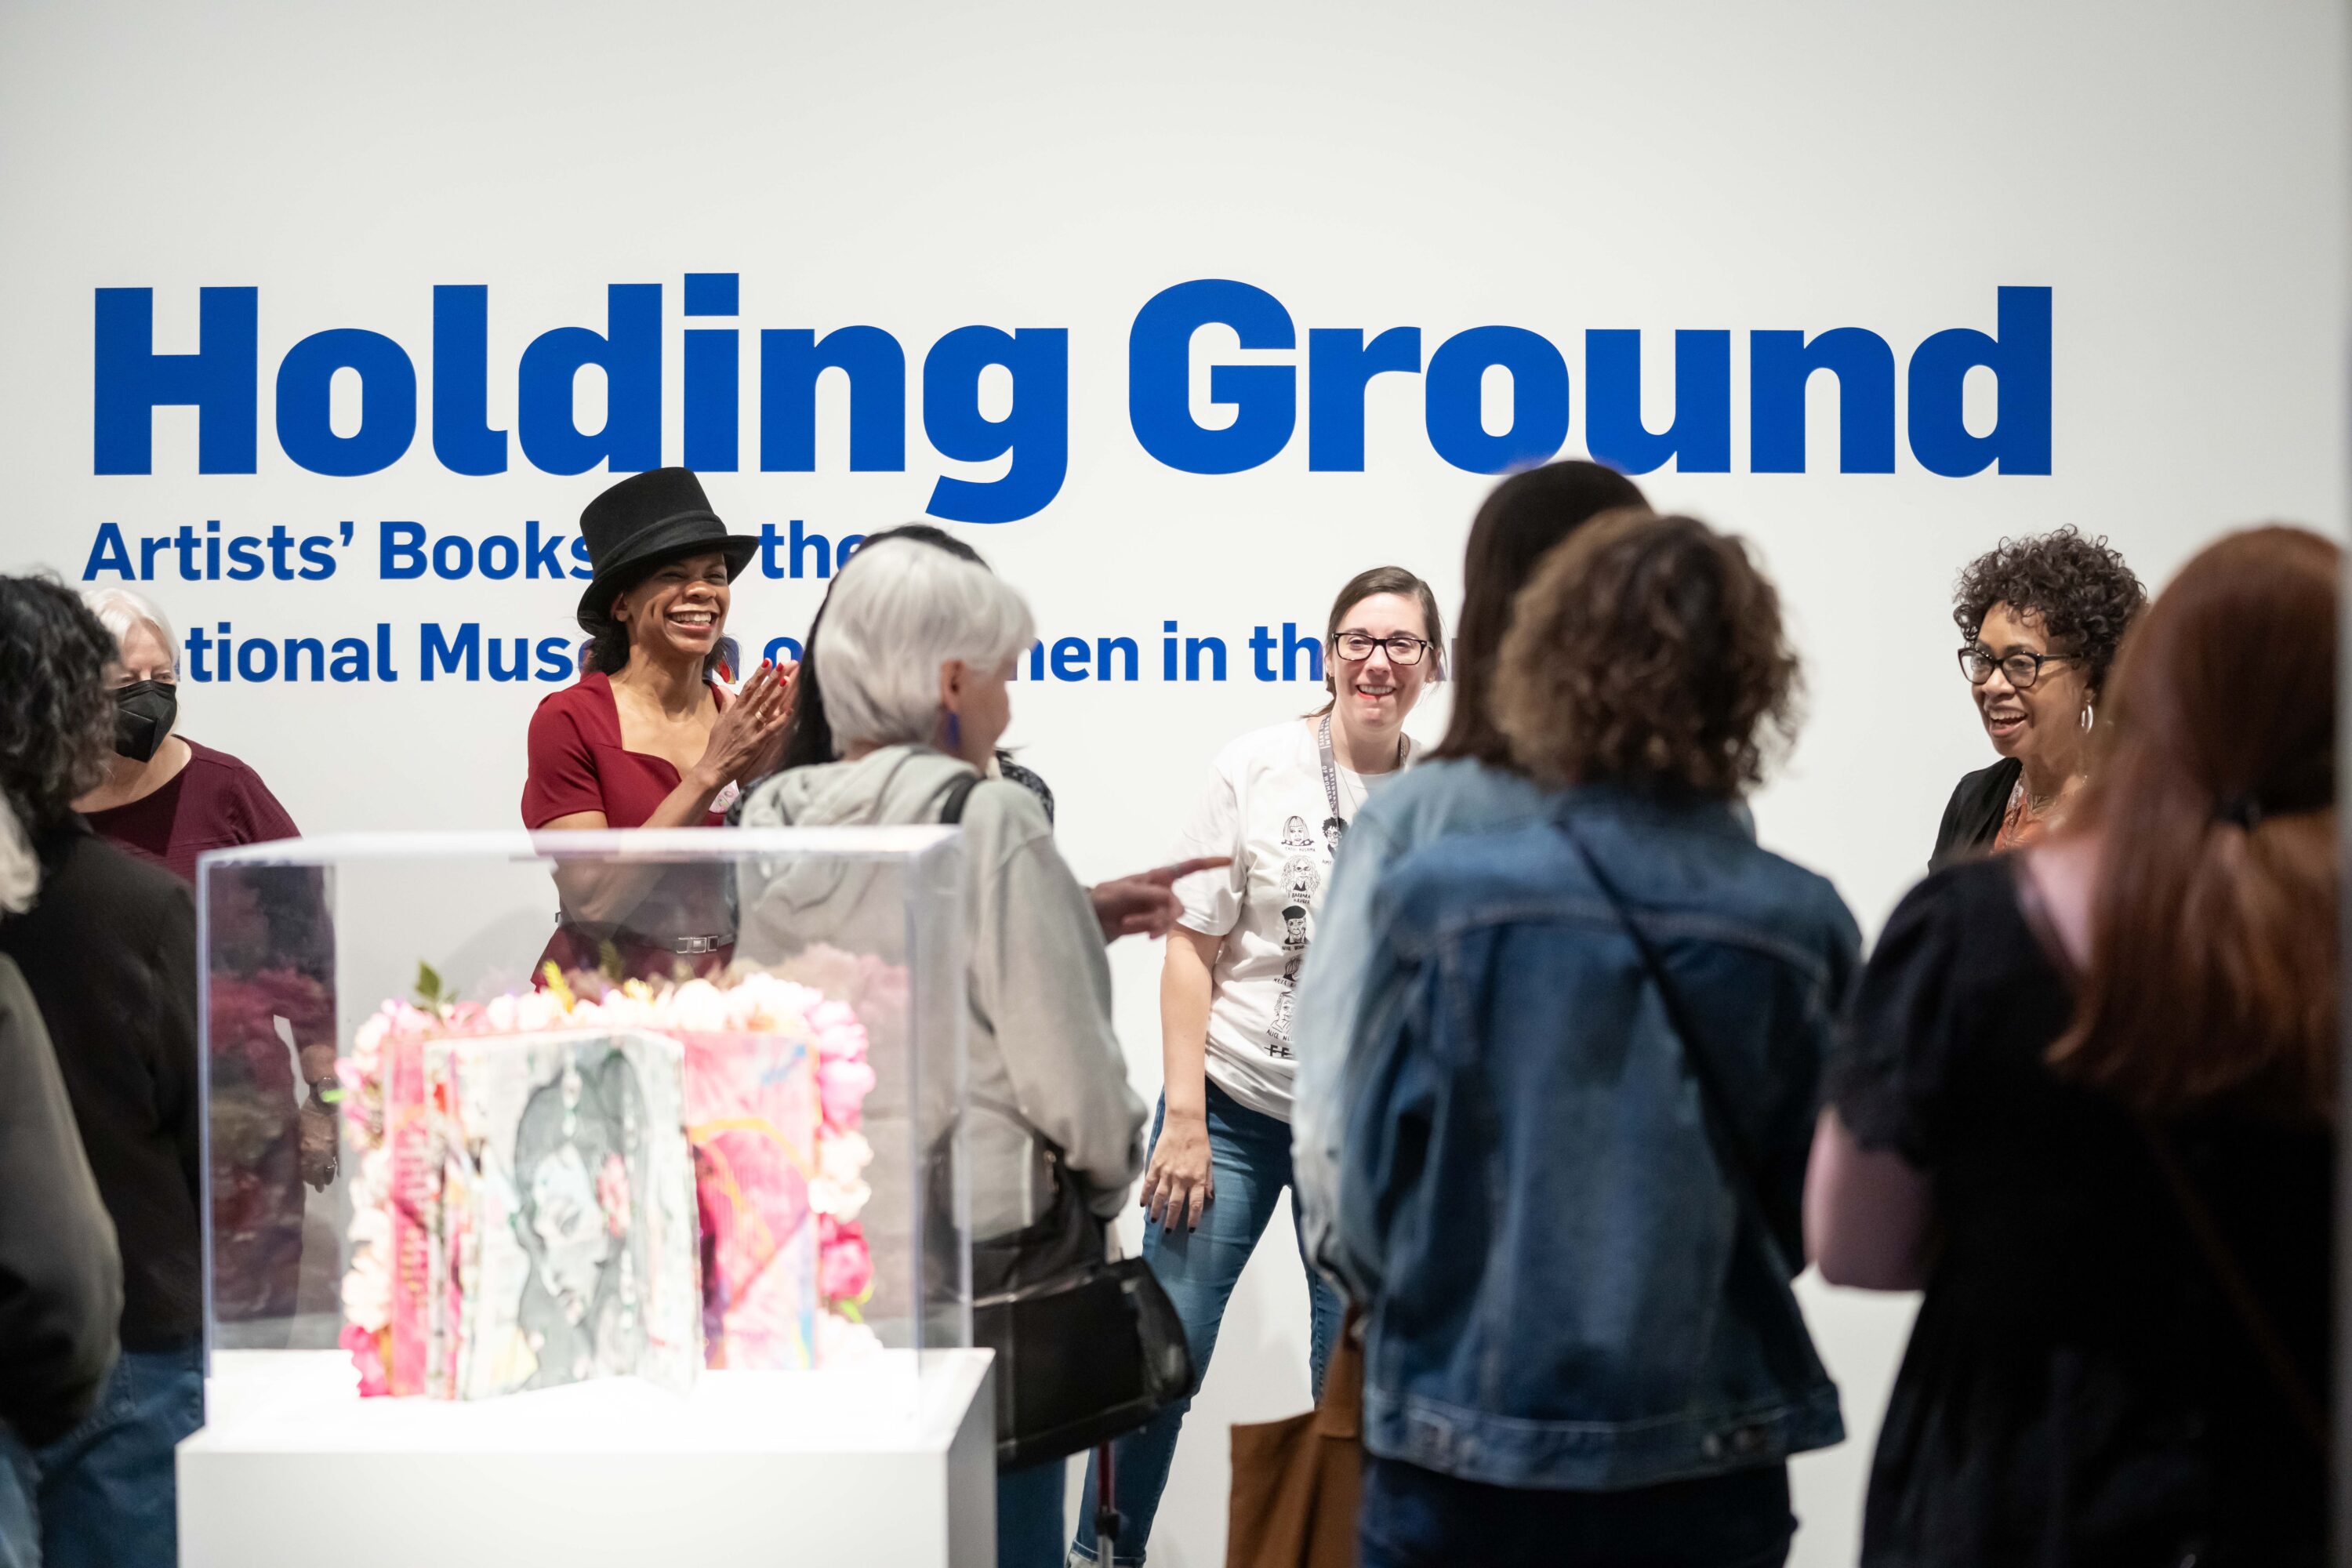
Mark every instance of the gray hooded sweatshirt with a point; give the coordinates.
(1038, 1034)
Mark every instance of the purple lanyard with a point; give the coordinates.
(1331, 768)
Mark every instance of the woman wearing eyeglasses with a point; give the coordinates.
(1277, 802)
(2041, 617)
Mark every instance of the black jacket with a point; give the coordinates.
(1973, 817)
(60, 1281)
(109, 953)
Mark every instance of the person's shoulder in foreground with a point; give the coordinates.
(56, 1241)
(84, 879)
(1658, 854)
(1450, 795)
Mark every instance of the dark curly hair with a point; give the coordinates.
(2079, 589)
(1648, 650)
(56, 718)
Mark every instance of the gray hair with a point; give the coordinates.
(897, 613)
(119, 609)
(20, 868)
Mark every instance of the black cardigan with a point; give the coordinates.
(109, 951)
(60, 1282)
(1972, 819)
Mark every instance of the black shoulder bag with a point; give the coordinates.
(1085, 1349)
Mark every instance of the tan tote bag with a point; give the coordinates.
(1297, 1483)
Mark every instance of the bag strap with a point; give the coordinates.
(2270, 1346)
(1057, 1158)
(952, 805)
(2196, 1216)
(1778, 1227)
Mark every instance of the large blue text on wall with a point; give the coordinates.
(221, 379)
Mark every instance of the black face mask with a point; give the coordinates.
(144, 711)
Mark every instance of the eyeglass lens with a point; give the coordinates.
(1355, 647)
(2020, 670)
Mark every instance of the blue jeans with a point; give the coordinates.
(1249, 1163)
(20, 1520)
(1029, 1518)
(1414, 1518)
(103, 1495)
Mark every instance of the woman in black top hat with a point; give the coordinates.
(649, 737)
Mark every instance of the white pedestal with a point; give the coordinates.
(884, 1464)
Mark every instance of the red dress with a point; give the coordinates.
(578, 763)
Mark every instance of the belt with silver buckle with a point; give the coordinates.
(683, 946)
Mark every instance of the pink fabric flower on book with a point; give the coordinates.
(845, 1268)
(842, 1086)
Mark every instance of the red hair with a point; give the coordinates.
(2213, 948)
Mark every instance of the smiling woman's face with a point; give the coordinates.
(2046, 716)
(677, 613)
(1376, 692)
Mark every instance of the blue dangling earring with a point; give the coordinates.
(955, 735)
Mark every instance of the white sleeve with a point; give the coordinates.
(1212, 900)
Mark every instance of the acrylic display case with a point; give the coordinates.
(644, 1144)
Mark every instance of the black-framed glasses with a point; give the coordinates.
(1357, 647)
(2020, 670)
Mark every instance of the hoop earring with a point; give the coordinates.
(2089, 710)
(955, 734)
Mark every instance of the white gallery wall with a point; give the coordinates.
(2167, 180)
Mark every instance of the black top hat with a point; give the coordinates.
(641, 522)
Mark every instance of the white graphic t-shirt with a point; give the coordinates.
(1266, 807)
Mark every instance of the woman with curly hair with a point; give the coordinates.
(2040, 619)
(109, 951)
(1583, 1085)
(2087, 1099)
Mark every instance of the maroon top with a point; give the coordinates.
(212, 803)
(578, 763)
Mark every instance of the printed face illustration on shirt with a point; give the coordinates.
(1290, 970)
(1294, 926)
(1299, 878)
(1295, 835)
(1277, 1032)
(1333, 828)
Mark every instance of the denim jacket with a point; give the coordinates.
(1564, 1292)
(1431, 800)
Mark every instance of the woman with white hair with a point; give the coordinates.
(167, 798)
(918, 647)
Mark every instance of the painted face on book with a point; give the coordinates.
(679, 612)
(1376, 692)
(572, 1229)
